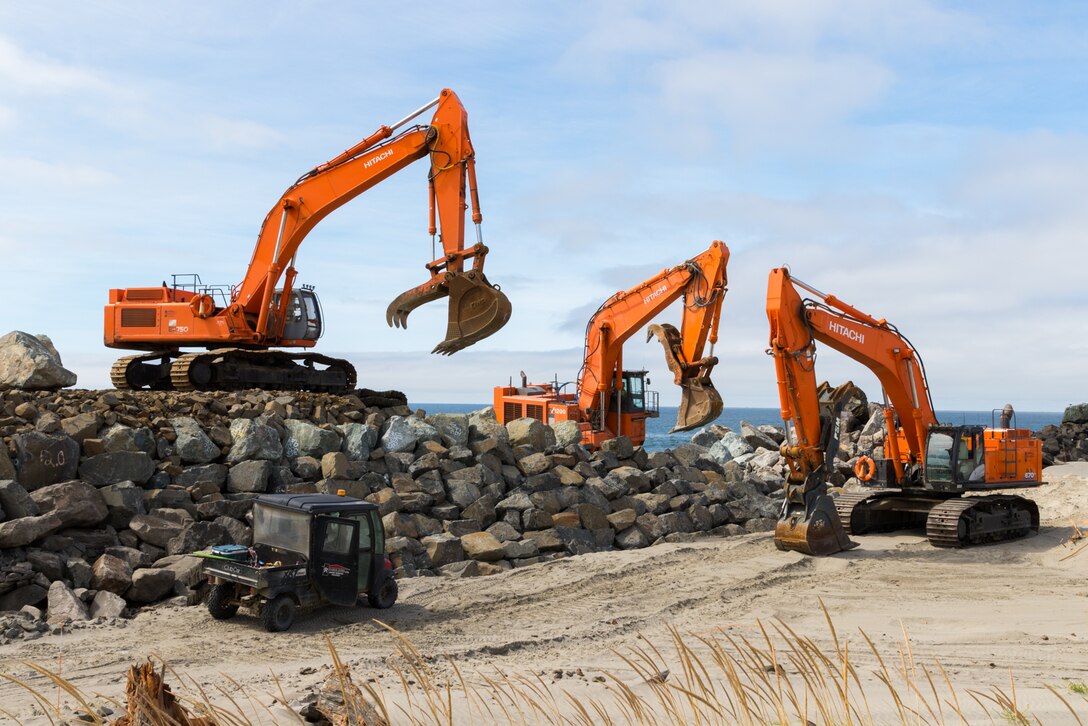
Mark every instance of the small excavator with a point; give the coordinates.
(612, 402)
(239, 326)
(928, 467)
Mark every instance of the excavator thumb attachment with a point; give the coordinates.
(477, 308)
(814, 529)
(699, 400)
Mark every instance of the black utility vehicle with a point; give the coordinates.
(308, 550)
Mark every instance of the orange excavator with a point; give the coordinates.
(612, 402)
(239, 326)
(927, 468)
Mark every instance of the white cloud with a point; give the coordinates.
(621, 32)
(36, 73)
(227, 134)
(22, 170)
(770, 98)
(1038, 176)
(880, 24)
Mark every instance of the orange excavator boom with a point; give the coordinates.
(810, 522)
(608, 401)
(259, 310)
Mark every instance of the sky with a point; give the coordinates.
(926, 162)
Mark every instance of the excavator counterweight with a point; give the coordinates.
(240, 325)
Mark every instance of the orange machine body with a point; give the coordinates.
(255, 313)
(609, 401)
(927, 467)
(1012, 456)
(547, 405)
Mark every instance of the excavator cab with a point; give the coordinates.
(635, 397)
(303, 316)
(956, 458)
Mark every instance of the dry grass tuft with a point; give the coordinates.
(1076, 541)
(777, 676)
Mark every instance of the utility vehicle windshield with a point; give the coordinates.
(281, 528)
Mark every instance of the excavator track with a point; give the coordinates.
(844, 506)
(231, 369)
(981, 520)
(874, 511)
(130, 374)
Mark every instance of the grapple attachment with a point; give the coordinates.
(476, 310)
(700, 402)
(814, 529)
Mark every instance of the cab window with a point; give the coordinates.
(939, 457)
(337, 538)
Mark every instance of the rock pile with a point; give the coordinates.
(1069, 441)
(105, 493)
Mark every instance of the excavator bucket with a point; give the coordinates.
(814, 530)
(699, 404)
(476, 309)
(699, 400)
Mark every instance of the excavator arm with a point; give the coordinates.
(701, 281)
(809, 522)
(477, 309)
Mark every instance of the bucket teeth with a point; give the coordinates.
(477, 309)
(813, 530)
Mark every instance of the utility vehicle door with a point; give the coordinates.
(336, 559)
(366, 549)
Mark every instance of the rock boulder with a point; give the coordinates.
(65, 605)
(192, 444)
(31, 363)
(44, 458)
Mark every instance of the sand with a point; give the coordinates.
(984, 612)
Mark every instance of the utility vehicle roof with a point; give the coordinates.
(317, 503)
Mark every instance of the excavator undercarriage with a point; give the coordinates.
(948, 522)
(227, 369)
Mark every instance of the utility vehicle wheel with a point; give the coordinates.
(384, 593)
(218, 602)
(278, 614)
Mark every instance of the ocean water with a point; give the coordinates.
(658, 437)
